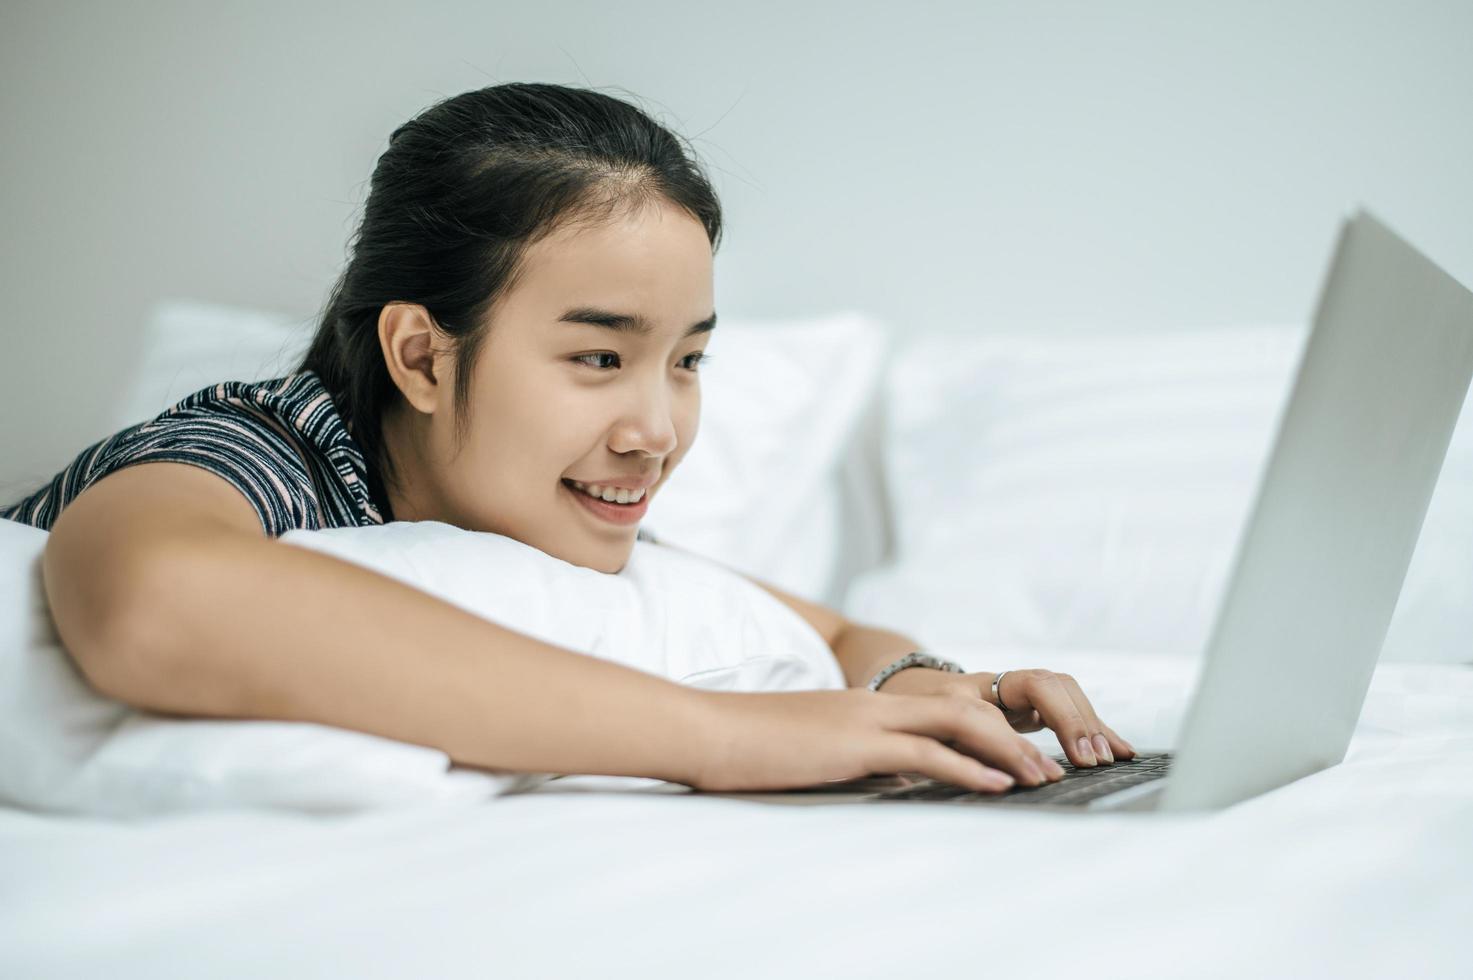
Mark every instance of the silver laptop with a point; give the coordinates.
(1320, 565)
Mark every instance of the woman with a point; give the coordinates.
(518, 331)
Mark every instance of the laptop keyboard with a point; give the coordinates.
(1079, 785)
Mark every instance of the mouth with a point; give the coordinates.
(622, 515)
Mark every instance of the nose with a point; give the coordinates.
(648, 423)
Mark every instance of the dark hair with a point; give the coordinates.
(462, 191)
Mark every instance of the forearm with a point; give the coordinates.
(863, 651)
(261, 629)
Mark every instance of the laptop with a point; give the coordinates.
(1318, 569)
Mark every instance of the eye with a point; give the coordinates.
(700, 357)
(583, 358)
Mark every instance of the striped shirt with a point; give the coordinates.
(279, 442)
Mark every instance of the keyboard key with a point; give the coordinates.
(1077, 786)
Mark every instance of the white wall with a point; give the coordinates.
(947, 166)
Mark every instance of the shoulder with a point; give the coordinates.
(290, 430)
(281, 442)
(282, 425)
(298, 402)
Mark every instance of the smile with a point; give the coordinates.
(612, 495)
(623, 515)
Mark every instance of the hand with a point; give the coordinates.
(1035, 699)
(798, 739)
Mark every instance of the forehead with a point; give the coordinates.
(654, 259)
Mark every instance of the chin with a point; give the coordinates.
(611, 561)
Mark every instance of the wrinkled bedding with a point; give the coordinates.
(1361, 870)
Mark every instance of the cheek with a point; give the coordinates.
(689, 427)
(498, 457)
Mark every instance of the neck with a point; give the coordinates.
(407, 497)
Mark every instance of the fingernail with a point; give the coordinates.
(997, 780)
(1055, 768)
(1086, 752)
(1102, 748)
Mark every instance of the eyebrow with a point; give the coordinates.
(631, 323)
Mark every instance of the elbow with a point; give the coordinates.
(119, 662)
(103, 624)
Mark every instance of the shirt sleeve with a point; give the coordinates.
(241, 443)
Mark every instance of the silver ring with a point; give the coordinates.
(995, 695)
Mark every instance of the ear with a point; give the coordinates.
(414, 352)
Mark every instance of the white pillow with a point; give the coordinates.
(63, 747)
(667, 612)
(1087, 491)
(759, 490)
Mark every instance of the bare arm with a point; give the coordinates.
(169, 597)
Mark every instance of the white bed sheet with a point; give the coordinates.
(1363, 870)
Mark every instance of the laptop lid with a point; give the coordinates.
(1380, 385)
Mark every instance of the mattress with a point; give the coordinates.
(1361, 870)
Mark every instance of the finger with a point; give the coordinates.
(1092, 724)
(1022, 720)
(1125, 750)
(1107, 744)
(1043, 690)
(1028, 719)
(978, 729)
(1044, 764)
(1025, 721)
(917, 753)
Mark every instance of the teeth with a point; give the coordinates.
(612, 495)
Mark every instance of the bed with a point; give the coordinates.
(1008, 501)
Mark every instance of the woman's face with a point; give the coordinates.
(557, 398)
